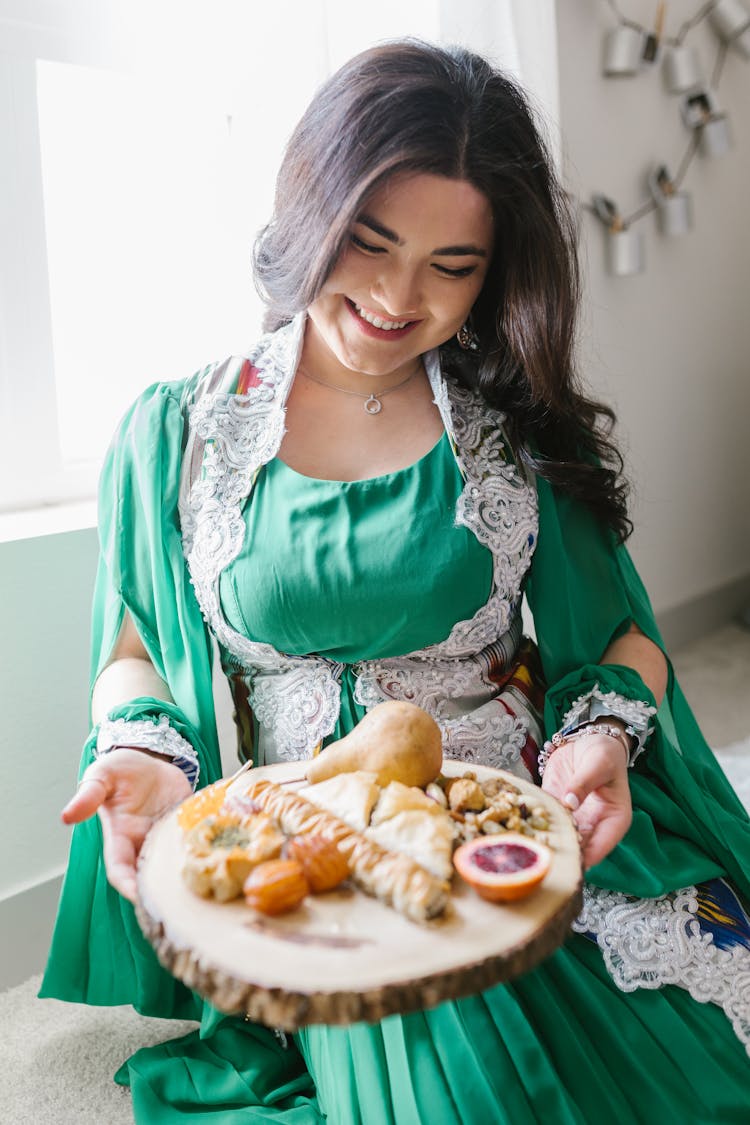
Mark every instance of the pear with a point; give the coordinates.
(396, 741)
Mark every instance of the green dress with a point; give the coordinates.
(562, 1043)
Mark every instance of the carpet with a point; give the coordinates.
(57, 1060)
(735, 761)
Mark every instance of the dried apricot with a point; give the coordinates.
(322, 862)
(276, 886)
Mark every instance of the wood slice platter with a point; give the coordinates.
(344, 957)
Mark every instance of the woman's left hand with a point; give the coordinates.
(589, 774)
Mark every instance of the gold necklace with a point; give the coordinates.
(372, 404)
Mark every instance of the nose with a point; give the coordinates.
(397, 290)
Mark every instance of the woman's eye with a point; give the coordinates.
(366, 246)
(465, 271)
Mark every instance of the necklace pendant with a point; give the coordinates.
(373, 405)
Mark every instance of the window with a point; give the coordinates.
(139, 141)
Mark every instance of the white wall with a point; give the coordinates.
(670, 347)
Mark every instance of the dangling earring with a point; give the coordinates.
(467, 337)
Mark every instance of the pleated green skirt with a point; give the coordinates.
(560, 1046)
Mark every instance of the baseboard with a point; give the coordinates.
(693, 619)
(26, 922)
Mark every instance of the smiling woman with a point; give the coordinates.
(387, 302)
(419, 262)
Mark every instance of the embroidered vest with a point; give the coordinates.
(296, 698)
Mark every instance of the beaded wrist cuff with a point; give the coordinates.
(144, 734)
(559, 738)
(596, 705)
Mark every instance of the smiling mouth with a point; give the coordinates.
(377, 324)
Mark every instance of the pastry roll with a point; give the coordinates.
(394, 879)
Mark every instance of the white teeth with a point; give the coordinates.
(377, 322)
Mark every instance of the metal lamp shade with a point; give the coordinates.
(625, 252)
(623, 51)
(674, 214)
(715, 138)
(729, 18)
(682, 69)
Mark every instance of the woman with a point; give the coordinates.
(354, 511)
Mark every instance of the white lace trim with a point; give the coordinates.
(596, 704)
(234, 435)
(648, 943)
(145, 734)
(488, 736)
(290, 705)
(241, 433)
(497, 504)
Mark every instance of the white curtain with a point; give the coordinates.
(520, 36)
(144, 137)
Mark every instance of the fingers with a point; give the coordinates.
(93, 789)
(594, 770)
(605, 835)
(119, 857)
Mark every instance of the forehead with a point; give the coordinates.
(443, 211)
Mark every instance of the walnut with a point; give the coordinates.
(465, 794)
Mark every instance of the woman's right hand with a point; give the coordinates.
(129, 789)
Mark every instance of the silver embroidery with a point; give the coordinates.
(647, 943)
(293, 704)
(488, 736)
(597, 704)
(431, 684)
(496, 504)
(146, 735)
(243, 432)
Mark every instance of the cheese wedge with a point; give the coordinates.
(349, 796)
(423, 836)
(396, 798)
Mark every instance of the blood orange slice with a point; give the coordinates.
(503, 867)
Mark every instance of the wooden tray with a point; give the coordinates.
(345, 957)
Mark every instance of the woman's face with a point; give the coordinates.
(417, 257)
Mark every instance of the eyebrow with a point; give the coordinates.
(442, 251)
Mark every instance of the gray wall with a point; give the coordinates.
(671, 347)
(45, 586)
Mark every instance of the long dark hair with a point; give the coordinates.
(414, 107)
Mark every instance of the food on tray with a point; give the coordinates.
(223, 849)
(503, 808)
(396, 798)
(350, 796)
(276, 886)
(202, 804)
(323, 864)
(504, 867)
(396, 741)
(395, 841)
(394, 879)
(464, 795)
(426, 837)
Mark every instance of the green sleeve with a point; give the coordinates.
(98, 953)
(583, 592)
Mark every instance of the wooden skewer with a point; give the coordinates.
(661, 12)
(246, 766)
